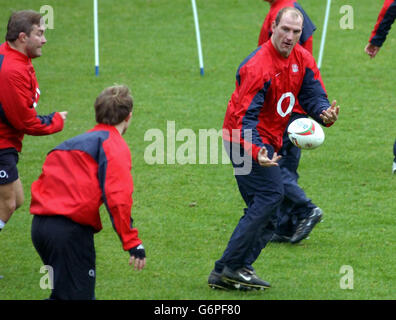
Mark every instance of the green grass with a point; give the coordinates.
(186, 213)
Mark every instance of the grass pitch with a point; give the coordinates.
(186, 213)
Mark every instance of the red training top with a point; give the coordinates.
(19, 95)
(267, 87)
(84, 172)
(306, 38)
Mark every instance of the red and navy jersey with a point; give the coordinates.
(306, 38)
(19, 95)
(267, 87)
(308, 27)
(84, 172)
(385, 20)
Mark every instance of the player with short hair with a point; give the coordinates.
(78, 176)
(267, 84)
(19, 95)
(378, 36)
(298, 215)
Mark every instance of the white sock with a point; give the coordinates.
(2, 224)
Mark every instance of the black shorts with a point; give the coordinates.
(8, 165)
(68, 249)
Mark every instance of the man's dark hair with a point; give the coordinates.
(113, 105)
(22, 21)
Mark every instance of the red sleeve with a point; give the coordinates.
(118, 189)
(18, 107)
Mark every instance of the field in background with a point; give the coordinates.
(186, 213)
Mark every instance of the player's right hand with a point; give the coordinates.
(63, 114)
(371, 50)
(265, 161)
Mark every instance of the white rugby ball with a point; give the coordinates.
(306, 133)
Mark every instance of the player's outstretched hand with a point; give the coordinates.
(371, 50)
(330, 115)
(138, 257)
(63, 114)
(265, 161)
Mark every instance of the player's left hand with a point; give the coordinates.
(330, 115)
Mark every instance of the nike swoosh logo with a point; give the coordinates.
(246, 278)
(277, 74)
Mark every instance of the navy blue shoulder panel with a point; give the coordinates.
(238, 77)
(89, 142)
(308, 28)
